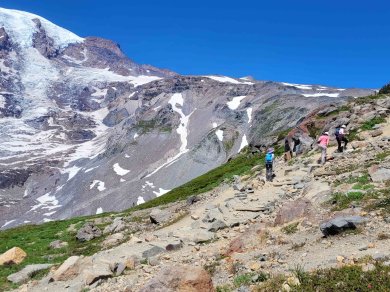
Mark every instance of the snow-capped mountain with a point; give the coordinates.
(83, 129)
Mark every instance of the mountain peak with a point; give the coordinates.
(21, 27)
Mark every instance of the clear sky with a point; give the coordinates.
(343, 43)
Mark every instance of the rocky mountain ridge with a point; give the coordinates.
(87, 130)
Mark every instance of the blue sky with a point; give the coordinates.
(340, 43)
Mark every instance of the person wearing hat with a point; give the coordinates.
(323, 142)
(341, 138)
(269, 161)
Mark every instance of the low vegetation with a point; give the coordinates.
(347, 278)
(385, 89)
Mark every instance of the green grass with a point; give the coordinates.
(369, 98)
(345, 279)
(249, 278)
(371, 123)
(291, 228)
(382, 156)
(343, 108)
(341, 201)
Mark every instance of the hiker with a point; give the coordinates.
(323, 142)
(269, 160)
(297, 145)
(287, 149)
(340, 137)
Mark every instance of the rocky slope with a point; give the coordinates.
(87, 130)
(252, 235)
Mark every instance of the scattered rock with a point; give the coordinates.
(194, 217)
(88, 232)
(13, 256)
(116, 226)
(294, 210)
(158, 216)
(379, 174)
(368, 267)
(192, 200)
(340, 224)
(26, 273)
(120, 268)
(96, 272)
(201, 236)
(174, 245)
(132, 262)
(68, 270)
(57, 244)
(217, 225)
(153, 251)
(376, 133)
(180, 278)
(113, 239)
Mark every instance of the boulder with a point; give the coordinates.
(98, 271)
(293, 210)
(152, 251)
(379, 174)
(88, 232)
(25, 274)
(113, 239)
(212, 215)
(217, 225)
(158, 216)
(200, 236)
(116, 226)
(13, 256)
(174, 245)
(339, 224)
(57, 244)
(68, 270)
(192, 200)
(180, 278)
(376, 133)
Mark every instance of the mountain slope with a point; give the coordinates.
(86, 130)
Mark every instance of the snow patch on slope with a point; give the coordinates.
(161, 192)
(249, 113)
(225, 79)
(119, 170)
(235, 102)
(99, 183)
(219, 134)
(140, 200)
(244, 142)
(300, 86)
(321, 94)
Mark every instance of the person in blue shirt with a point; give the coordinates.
(269, 160)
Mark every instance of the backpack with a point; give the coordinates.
(337, 132)
(268, 158)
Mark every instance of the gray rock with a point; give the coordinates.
(192, 200)
(97, 272)
(158, 216)
(217, 225)
(339, 224)
(379, 174)
(119, 269)
(201, 236)
(238, 187)
(212, 215)
(25, 274)
(56, 244)
(116, 226)
(379, 257)
(153, 251)
(174, 245)
(88, 232)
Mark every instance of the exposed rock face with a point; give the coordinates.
(113, 133)
(379, 174)
(13, 256)
(180, 278)
(26, 273)
(88, 232)
(68, 270)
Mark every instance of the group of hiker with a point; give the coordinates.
(289, 152)
(323, 141)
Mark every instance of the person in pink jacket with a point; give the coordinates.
(323, 142)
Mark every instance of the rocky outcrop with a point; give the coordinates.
(27, 272)
(13, 256)
(180, 278)
(88, 232)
